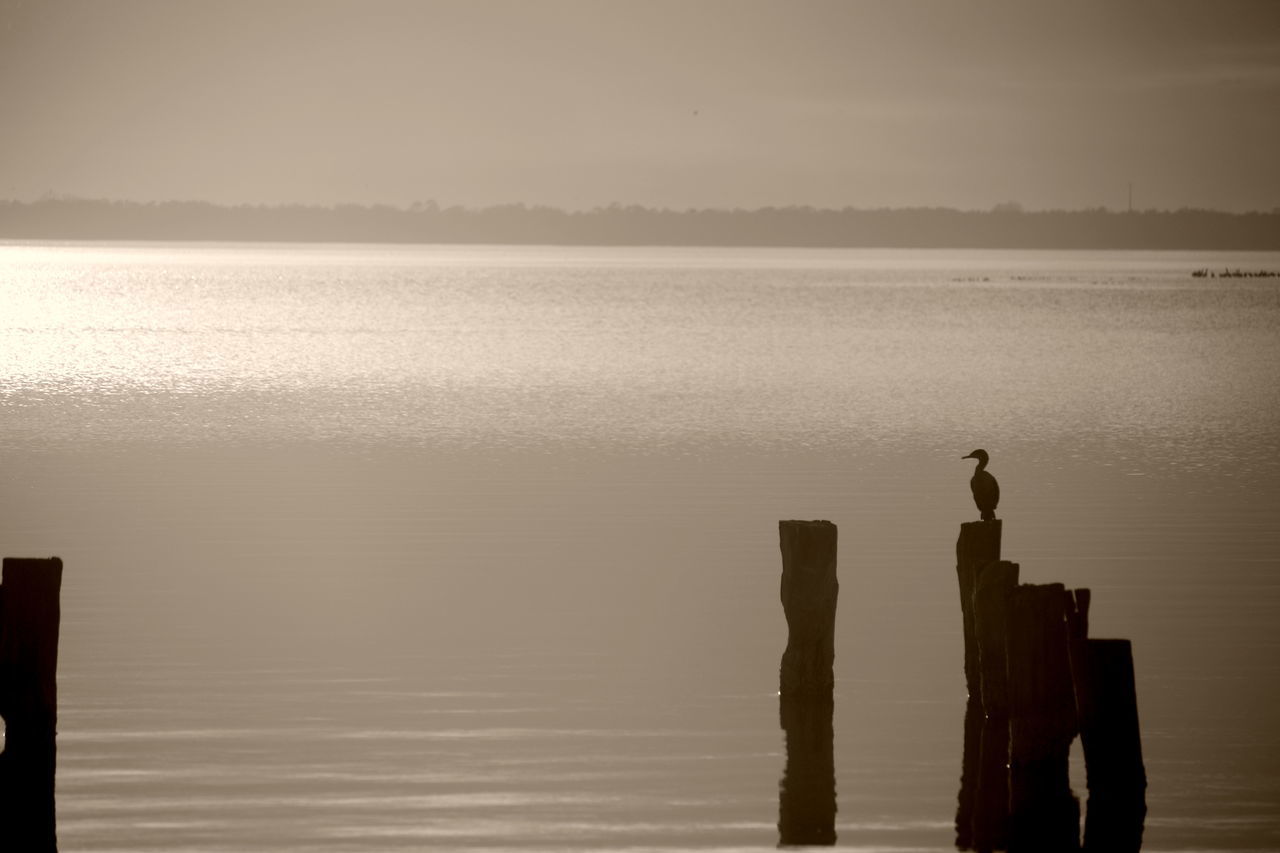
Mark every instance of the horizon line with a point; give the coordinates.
(431, 205)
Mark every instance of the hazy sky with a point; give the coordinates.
(688, 103)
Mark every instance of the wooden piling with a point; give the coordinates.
(1108, 708)
(979, 544)
(29, 619)
(809, 592)
(985, 584)
(1040, 688)
(1044, 815)
(993, 589)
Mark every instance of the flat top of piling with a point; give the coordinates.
(810, 523)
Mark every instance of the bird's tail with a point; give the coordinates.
(988, 515)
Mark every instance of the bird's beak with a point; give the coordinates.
(970, 456)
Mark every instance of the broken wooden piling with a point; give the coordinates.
(1044, 814)
(29, 620)
(809, 592)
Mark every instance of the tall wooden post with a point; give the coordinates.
(983, 802)
(979, 544)
(809, 592)
(992, 594)
(29, 617)
(807, 792)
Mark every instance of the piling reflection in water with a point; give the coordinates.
(1109, 732)
(983, 811)
(966, 801)
(1047, 813)
(1048, 820)
(1113, 820)
(807, 792)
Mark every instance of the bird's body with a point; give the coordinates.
(986, 491)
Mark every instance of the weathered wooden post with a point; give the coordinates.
(809, 592)
(807, 792)
(979, 544)
(1108, 707)
(993, 590)
(29, 618)
(1043, 813)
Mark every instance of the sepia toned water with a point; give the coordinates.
(374, 548)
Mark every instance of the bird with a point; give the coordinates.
(986, 491)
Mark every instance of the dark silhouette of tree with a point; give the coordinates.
(1006, 226)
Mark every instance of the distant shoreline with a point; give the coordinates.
(1005, 227)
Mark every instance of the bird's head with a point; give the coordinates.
(980, 455)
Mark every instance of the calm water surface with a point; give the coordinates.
(390, 548)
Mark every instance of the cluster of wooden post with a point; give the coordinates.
(807, 793)
(1034, 677)
(1036, 680)
(29, 618)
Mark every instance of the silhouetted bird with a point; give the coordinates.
(986, 491)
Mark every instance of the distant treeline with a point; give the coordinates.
(1005, 226)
